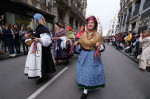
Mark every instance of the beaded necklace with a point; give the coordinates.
(90, 35)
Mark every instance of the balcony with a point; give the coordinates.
(145, 15)
(136, 11)
(77, 11)
(128, 18)
(127, 2)
(146, 4)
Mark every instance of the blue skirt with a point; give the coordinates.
(88, 71)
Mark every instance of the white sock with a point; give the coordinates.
(85, 91)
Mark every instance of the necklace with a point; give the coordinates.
(90, 35)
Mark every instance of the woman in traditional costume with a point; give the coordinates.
(42, 41)
(144, 57)
(71, 39)
(89, 67)
(70, 33)
(78, 47)
(82, 30)
(60, 48)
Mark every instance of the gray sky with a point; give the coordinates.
(104, 9)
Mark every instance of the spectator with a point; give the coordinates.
(8, 39)
(144, 57)
(16, 39)
(113, 40)
(136, 48)
(22, 33)
(128, 39)
(0, 39)
(133, 40)
(2, 20)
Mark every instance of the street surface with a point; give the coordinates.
(123, 80)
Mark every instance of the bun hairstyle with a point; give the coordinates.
(58, 24)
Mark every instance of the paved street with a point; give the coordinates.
(14, 84)
(123, 80)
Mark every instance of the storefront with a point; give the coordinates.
(22, 14)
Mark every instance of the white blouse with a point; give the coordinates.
(45, 39)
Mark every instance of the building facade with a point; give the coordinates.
(71, 12)
(114, 26)
(134, 15)
(99, 28)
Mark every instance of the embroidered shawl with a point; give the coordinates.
(88, 41)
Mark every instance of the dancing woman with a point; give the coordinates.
(89, 67)
(42, 38)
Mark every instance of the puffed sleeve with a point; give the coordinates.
(45, 39)
(102, 48)
(141, 40)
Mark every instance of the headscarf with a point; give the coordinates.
(40, 19)
(94, 19)
(69, 28)
(80, 33)
(70, 33)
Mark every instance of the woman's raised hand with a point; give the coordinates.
(37, 39)
(98, 44)
(75, 43)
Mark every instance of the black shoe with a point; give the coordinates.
(84, 96)
(41, 80)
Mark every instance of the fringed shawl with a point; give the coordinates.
(88, 41)
(70, 35)
(61, 32)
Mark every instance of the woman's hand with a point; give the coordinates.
(53, 39)
(57, 38)
(37, 40)
(98, 44)
(75, 43)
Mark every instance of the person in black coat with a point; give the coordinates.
(8, 39)
(16, 39)
(41, 35)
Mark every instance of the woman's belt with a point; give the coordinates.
(85, 49)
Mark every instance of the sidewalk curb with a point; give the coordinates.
(135, 60)
(8, 57)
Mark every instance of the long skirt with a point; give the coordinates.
(58, 52)
(47, 62)
(40, 63)
(89, 72)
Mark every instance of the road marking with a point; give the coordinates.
(35, 94)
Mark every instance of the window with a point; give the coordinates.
(76, 23)
(43, 9)
(71, 21)
(112, 26)
(34, 4)
(50, 7)
(43, 1)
